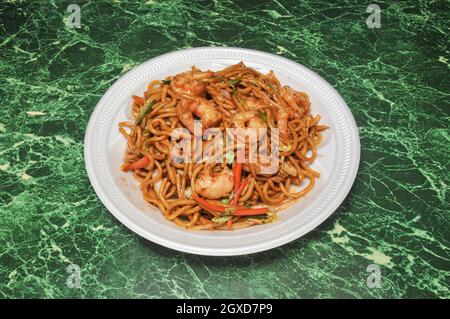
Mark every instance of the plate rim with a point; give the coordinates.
(176, 245)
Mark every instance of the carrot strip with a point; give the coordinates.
(207, 205)
(235, 199)
(229, 223)
(143, 162)
(237, 173)
(250, 211)
(231, 209)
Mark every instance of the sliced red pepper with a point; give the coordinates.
(237, 173)
(235, 199)
(250, 211)
(207, 205)
(230, 209)
(143, 162)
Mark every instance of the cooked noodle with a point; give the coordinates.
(220, 97)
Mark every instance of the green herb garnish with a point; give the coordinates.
(144, 114)
(221, 219)
(225, 201)
(233, 84)
(271, 86)
(166, 81)
(229, 210)
(262, 116)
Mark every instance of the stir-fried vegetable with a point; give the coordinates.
(250, 211)
(235, 199)
(208, 205)
(142, 163)
(221, 219)
(237, 173)
(233, 84)
(232, 210)
(144, 114)
(262, 116)
(271, 86)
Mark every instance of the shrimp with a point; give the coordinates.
(214, 185)
(200, 107)
(189, 83)
(251, 118)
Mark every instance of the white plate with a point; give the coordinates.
(337, 161)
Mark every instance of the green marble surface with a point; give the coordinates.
(395, 79)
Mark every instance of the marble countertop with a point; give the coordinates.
(390, 238)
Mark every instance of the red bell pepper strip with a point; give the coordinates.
(143, 162)
(230, 209)
(237, 173)
(250, 211)
(235, 199)
(207, 205)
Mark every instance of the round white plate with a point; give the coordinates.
(337, 161)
